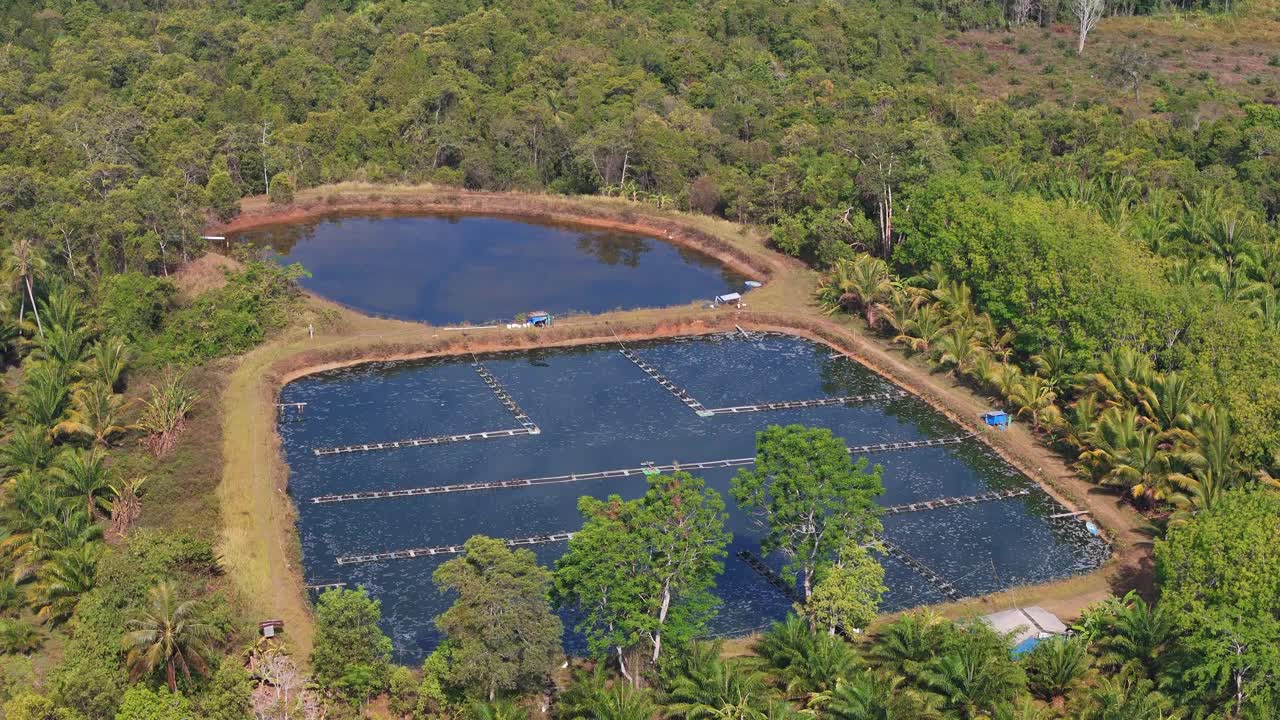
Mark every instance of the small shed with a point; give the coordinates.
(539, 318)
(1029, 625)
(271, 628)
(728, 298)
(996, 419)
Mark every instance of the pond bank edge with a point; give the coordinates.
(594, 212)
(593, 332)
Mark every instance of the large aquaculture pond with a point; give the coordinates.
(536, 430)
(454, 269)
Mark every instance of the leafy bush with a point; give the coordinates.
(234, 318)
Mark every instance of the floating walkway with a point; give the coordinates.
(681, 394)
(527, 426)
(606, 474)
(939, 583)
(321, 587)
(796, 404)
(947, 502)
(754, 562)
(420, 442)
(505, 398)
(449, 549)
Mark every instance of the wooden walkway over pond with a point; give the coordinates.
(797, 404)
(754, 562)
(527, 426)
(607, 474)
(681, 394)
(450, 549)
(939, 583)
(947, 502)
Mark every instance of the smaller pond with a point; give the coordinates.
(473, 269)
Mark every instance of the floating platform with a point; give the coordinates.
(527, 426)
(947, 502)
(449, 549)
(939, 583)
(647, 469)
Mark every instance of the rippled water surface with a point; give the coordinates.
(445, 270)
(598, 411)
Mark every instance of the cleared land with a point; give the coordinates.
(259, 539)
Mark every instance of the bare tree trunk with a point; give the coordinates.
(34, 309)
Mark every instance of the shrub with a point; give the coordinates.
(132, 305)
(281, 192)
(223, 195)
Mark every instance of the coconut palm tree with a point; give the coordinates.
(1033, 397)
(68, 575)
(959, 347)
(878, 696)
(1170, 401)
(110, 358)
(972, 680)
(169, 635)
(42, 397)
(82, 475)
(912, 641)
(96, 413)
(862, 284)
(1054, 668)
(592, 696)
(18, 637)
(920, 332)
(1125, 698)
(806, 663)
(705, 686)
(27, 449)
(1139, 636)
(1122, 375)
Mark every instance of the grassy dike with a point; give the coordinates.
(259, 540)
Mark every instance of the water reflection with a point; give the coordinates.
(462, 268)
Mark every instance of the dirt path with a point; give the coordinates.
(260, 541)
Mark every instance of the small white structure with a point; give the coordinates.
(1029, 625)
(728, 298)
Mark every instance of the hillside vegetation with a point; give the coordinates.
(1087, 235)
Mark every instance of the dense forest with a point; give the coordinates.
(1082, 225)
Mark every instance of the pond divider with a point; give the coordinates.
(681, 394)
(937, 581)
(450, 549)
(693, 404)
(754, 562)
(527, 426)
(947, 502)
(606, 474)
(820, 402)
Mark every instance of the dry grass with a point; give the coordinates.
(1192, 53)
(203, 274)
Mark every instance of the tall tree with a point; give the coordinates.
(641, 571)
(502, 633)
(347, 637)
(810, 498)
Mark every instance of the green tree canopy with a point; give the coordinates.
(502, 633)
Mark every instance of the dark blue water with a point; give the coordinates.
(598, 411)
(444, 270)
